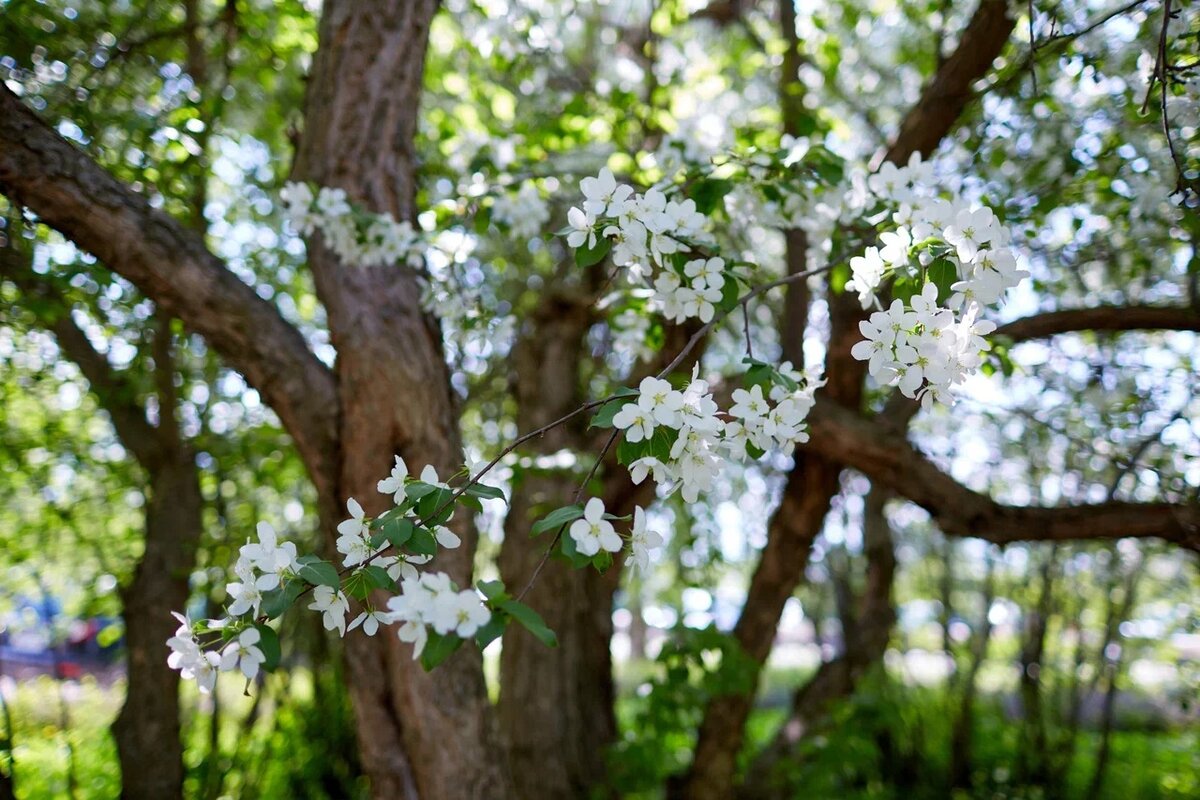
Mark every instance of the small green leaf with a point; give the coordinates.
(396, 532)
(357, 585)
(268, 642)
(492, 630)
(492, 590)
(321, 573)
(422, 542)
(707, 193)
(556, 518)
(485, 491)
(438, 648)
(588, 256)
(531, 621)
(277, 601)
(943, 274)
(604, 417)
(378, 578)
(418, 489)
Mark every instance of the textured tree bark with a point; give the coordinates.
(1032, 766)
(147, 730)
(963, 726)
(556, 705)
(427, 735)
(941, 103)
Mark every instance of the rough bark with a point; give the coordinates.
(963, 726)
(428, 735)
(1101, 318)
(1032, 764)
(147, 730)
(556, 705)
(886, 457)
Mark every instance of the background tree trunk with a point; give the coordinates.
(147, 730)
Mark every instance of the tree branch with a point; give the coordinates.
(948, 92)
(71, 193)
(116, 395)
(887, 457)
(1102, 318)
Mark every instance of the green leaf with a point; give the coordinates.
(418, 489)
(321, 573)
(556, 518)
(588, 256)
(269, 644)
(422, 542)
(758, 375)
(396, 532)
(485, 491)
(378, 578)
(708, 192)
(531, 621)
(572, 554)
(604, 417)
(904, 288)
(357, 585)
(730, 293)
(438, 648)
(943, 274)
(492, 630)
(435, 508)
(277, 601)
(492, 590)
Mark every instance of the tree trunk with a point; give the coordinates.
(837, 679)
(964, 721)
(147, 730)
(556, 704)
(427, 735)
(1032, 766)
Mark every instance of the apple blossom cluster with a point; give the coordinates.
(593, 533)
(431, 600)
(940, 249)
(523, 211)
(681, 438)
(923, 349)
(649, 232)
(377, 554)
(356, 238)
(196, 663)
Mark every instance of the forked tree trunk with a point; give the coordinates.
(428, 735)
(837, 679)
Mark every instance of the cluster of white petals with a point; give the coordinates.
(523, 211)
(922, 347)
(431, 600)
(701, 437)
(645, 232)
(357, 239)
(594, 533)
(201, 665)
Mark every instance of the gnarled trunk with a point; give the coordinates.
(427, 735)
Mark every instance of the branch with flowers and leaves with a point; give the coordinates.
(942, 260)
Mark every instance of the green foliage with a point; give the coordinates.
(693, 667)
